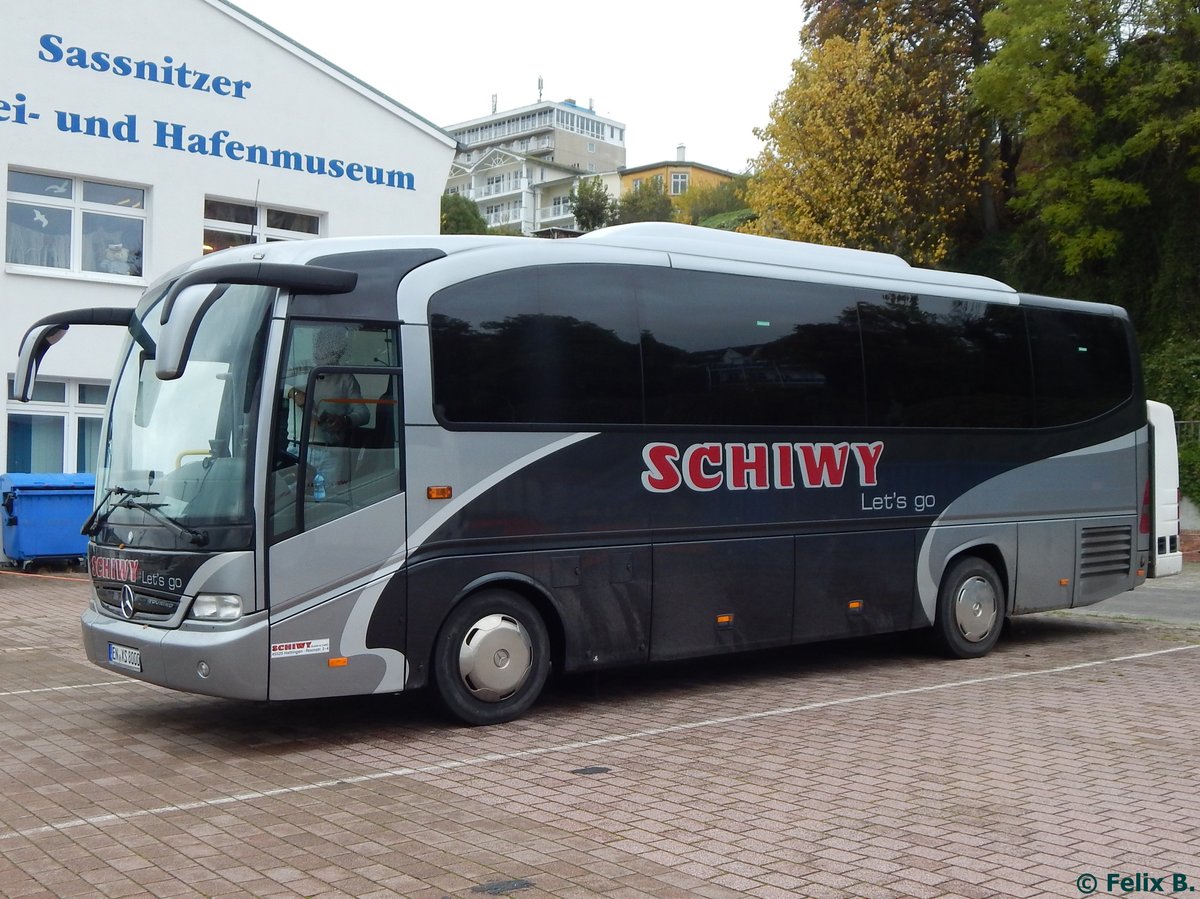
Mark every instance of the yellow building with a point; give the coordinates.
(677, 177)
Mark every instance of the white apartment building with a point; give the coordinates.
(130, 144)
(519, 165)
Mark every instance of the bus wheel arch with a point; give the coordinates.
(972, 603)
(493, 654)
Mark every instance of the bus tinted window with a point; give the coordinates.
(1081, 364)
(944, 363)
(550, 345)
(734, 350)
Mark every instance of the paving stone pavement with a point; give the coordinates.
(859, 769)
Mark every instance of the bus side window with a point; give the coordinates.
(338, 443)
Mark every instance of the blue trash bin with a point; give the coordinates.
(42, 514)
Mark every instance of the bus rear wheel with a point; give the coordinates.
(970, 612)
(492, 658)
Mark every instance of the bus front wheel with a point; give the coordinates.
(492, 658)
(970, 610)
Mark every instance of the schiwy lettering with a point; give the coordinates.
(758, 466)
(110, 569)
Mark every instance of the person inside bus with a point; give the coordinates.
(337, 409)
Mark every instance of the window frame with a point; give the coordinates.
(78, 209)
(71, 411)
(291, 425)
(258, 231)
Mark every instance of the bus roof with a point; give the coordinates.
(685, 245)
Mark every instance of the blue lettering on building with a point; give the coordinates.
(176, 136)
(159, 71)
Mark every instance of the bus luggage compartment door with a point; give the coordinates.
(721, 596)
(854, 584)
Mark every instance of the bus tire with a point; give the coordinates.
(970, 610)
(492, 658)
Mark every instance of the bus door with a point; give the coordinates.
(337, 517)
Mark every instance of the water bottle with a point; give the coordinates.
(319, 487)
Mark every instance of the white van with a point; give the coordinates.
(1166, 558)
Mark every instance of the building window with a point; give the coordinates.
(74, 224)
(58, 430)
(679, 183)
(591, 147)
(561, 206)
(228, 223)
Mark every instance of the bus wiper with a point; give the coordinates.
(198, 538)
(100, 514)
(129, 500)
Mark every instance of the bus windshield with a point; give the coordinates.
(178, 455)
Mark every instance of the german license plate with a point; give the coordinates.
(125, 656)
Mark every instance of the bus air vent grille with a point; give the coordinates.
(1106, 551)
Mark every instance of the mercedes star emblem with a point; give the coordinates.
(127, 601)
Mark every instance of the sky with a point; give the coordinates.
(702, 75)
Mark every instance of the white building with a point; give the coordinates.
(134, 137)
(519, 165)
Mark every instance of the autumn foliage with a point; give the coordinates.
(869, 146)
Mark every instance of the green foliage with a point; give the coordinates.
(648, 202)
(1051, 79)
(1172, 372)
(591, 204)
(705, 201)
(736, 220)
(1189, 470)
(461, 216)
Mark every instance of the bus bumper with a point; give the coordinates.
(216, 661)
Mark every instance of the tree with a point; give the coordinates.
(648, 202)
(1106, 96)
(705, 201)
(868, 146)
(591, 204)
(949, 34)
(461, 216)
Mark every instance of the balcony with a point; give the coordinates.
(508, 217)
(559, 215)
(495, 190)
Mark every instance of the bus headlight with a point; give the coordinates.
(217, 607)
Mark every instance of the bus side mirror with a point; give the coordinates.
(179, 331)
(190, 297)
(46, 332)
(34, 345)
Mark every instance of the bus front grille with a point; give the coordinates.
(146, 607)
